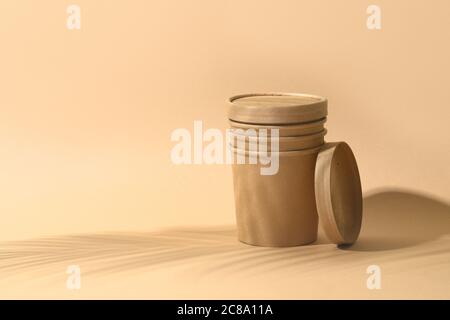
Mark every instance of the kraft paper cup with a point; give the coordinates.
(276, 210)
(253, 143)
(288, 130)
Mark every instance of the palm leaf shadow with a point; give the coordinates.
(218, 250)
(128, 251)
(116, 251)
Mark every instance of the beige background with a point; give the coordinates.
(86, 116)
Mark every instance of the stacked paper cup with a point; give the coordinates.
(279, 208)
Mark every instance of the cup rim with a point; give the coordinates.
(305, 137)
(280, 153)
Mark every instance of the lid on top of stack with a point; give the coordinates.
(277, 108)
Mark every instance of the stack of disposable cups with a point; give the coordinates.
(277, 209)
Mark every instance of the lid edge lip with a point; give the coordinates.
(281, 119)
(320, 99)
(281, 125)
(351, 240)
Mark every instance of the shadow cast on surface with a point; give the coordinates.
(395, 219)
(392, 220)
(116, 251)
(125, 251)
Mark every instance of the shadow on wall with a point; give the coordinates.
(392, 220)
(395, 219)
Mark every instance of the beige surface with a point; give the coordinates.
(86, 118)
(406, 234)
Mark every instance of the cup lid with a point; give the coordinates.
(338, 193)
(277, 108)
